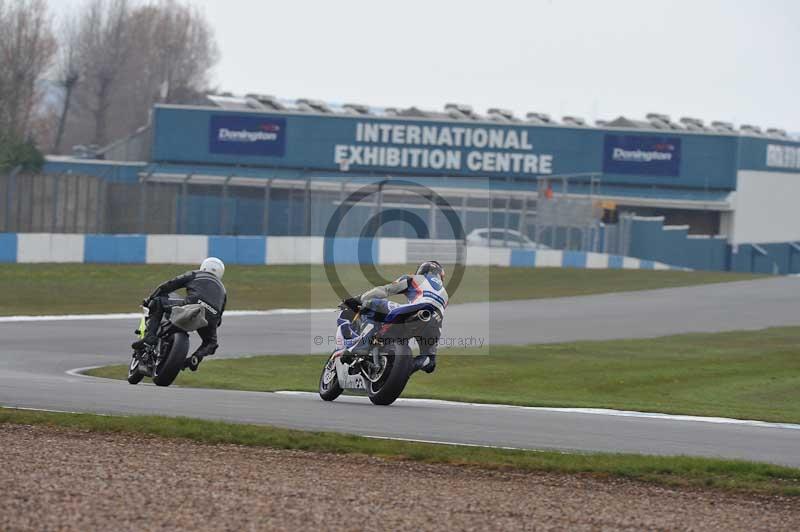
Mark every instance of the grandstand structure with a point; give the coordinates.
(680, 192)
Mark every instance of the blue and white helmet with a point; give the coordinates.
(431, 267)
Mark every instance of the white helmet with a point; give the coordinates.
(213, 265)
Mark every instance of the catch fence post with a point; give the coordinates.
(267, 199)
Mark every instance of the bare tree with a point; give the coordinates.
(187, 53)
(172, 55)
(67, 71)
(131, 55)
(26, 49)
(104, 49)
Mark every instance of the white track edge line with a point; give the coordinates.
(592, 411)
(78, 372)
(457, 444)
(371, 437)
(31, 409)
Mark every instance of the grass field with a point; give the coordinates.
(749, 375)
(665, 470)
(86, 289)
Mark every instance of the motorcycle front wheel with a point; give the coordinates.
(329, 388)
(134, 375)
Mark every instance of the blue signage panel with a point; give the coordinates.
(374, 145)
(769, 155)
(247, 135)
(630, 154)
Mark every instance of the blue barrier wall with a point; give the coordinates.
(352, 250)
(783, 258)
(238, 249)
(192, 249)
(115, 249)
(650, 240)
(523, 258)
(8, 247)
(707, 253)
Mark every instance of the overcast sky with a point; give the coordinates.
(735, 60)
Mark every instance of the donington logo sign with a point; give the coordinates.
(247, 135)
(629, 154)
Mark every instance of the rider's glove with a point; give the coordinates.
(353, 303)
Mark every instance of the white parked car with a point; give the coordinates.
(502, 238)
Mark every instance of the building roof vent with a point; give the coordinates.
(267, 100)
(310, 105)
(693, 124)
(460, 111)
(233, 103)
(661, 121)
(416, 112)
(779, 133)
(722, 127)
(749, 128)
(539, 118)
(658, 116)
(574, 121)
(501, 115)
(356, 109)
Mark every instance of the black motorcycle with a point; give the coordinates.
(165, 360)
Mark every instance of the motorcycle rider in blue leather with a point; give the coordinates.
(426, 300)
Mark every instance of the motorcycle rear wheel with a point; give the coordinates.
(394, 379)
(166, 372)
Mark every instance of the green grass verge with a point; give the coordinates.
(747, 374)
(97, 288)
(674, 471)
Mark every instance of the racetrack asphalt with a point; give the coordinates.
(35, 355)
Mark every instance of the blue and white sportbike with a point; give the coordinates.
(372, 354)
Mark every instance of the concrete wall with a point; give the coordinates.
(192, 249)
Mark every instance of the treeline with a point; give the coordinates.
(92, 75)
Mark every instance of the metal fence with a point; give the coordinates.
(217, 205)
(60, 204)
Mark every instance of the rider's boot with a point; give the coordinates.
(426, 363)
(151, 328)
(149, 340)
(205, 349)
(193, 362)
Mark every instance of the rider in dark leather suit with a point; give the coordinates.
(203, 286)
